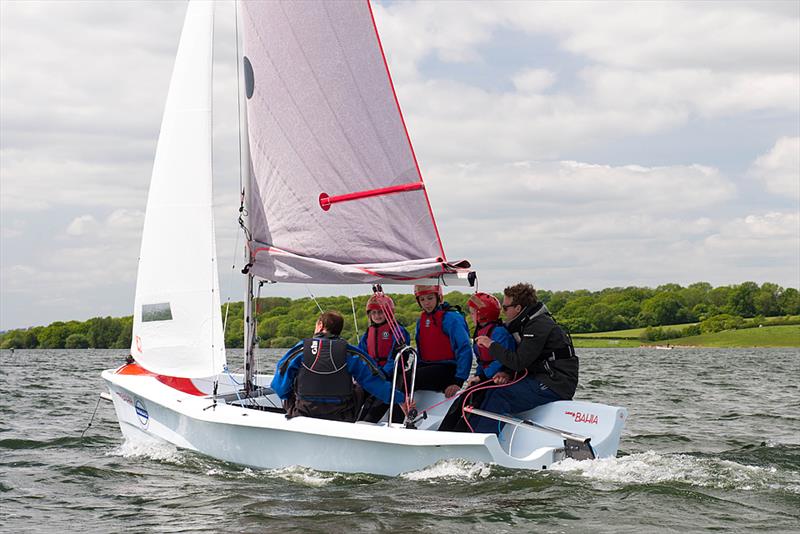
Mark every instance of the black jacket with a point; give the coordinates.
(543, 348)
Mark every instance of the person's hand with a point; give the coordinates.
(483, 341)
(451, 390)
(473, 380)
(501, 377)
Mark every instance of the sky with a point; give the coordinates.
(571, 145)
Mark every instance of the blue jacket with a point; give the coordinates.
(388, 368)
(283, 381)
(455, 327)
(500, 334)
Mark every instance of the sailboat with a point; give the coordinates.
(332, 194)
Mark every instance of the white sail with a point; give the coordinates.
(177, 326)
(324, 122)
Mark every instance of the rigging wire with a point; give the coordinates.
(355, 320)
(314, 298)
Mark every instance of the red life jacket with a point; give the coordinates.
(483, 352)
(380, 342)
(433, 344)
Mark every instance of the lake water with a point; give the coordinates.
(712, 443)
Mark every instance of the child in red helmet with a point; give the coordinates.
(485, 311)
(379, 341)
(443, 343)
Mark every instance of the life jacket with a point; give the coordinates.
(433, 344)
(323, 374)
(483, 352)
(380, 342)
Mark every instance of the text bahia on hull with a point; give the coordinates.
(325, 150)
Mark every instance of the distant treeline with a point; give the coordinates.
(283, 321)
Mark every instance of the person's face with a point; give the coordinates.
(474, 314)
(318, 327)
(428, 302)
(510, 311)
(376, 316)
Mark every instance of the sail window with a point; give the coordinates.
(249, 78)
(156, 312)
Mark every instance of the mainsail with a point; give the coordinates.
(177, 325)
(325, 127)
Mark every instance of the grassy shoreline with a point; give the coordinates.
(767, 336)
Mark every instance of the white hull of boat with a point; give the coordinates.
(263, 439)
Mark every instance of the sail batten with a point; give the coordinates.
(324, 123)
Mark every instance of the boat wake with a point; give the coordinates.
(707, 472)
(455, 469)
(150, 449)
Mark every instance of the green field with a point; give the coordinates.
(632, 333)
(767, 336)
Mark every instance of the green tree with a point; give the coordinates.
(789, 302)
(54, 336)
(766, 298)
(103, 332)
(77, 341)
(661, 309)
(742, 299)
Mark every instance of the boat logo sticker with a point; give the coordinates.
(139, 344)
(141, 413)
(580, 417)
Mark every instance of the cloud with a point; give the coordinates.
(82, 225)
(779, 169)
(635, 69)
(528, 189)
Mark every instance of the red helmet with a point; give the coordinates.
(380, 303)
(420, 290)
(486, 306)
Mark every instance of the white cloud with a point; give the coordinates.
(82, 225)
(772, 239)
(543, 189)
(779, 168)
(533, 80)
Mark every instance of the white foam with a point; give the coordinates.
(303, 475)
(651, 467)
(451, 469)
(154, 450)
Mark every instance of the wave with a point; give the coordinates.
(707, 472)
(456, 469)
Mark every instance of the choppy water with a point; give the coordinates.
(712, 443)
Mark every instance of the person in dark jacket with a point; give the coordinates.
(544, 349)
(315, 377)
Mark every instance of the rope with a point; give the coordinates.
(93, 413)
(486, 387)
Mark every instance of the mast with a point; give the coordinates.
(244, 209)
